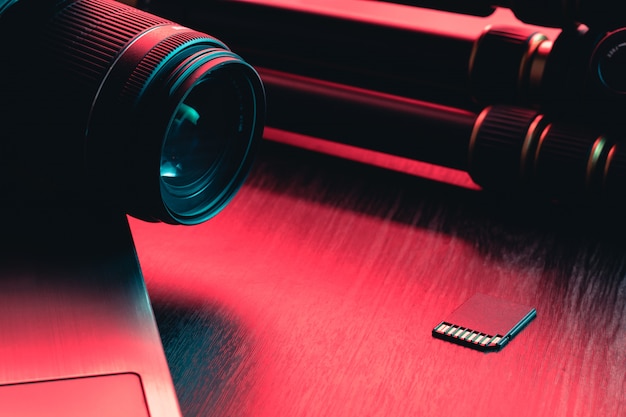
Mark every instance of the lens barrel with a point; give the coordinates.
(111, 103)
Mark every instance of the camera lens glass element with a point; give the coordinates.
(207, 143)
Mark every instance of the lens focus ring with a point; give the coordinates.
(88, 35)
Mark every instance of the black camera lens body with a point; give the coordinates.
(101, 101)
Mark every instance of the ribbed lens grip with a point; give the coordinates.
(496, 150)
(86, 36)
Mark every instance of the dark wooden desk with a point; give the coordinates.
(314, 294)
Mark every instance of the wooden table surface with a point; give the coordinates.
(315, 292)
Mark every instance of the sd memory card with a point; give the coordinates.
(484, 323)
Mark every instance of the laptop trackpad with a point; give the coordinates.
(119, 395)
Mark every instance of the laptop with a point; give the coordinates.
(77, 332)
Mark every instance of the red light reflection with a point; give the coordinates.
(366, 156)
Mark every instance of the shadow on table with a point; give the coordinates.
(208, 354)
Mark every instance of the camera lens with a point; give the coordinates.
(191, 118)
(133, 110)
(206, 145)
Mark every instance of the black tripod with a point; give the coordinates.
(508, 104)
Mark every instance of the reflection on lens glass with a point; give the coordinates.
(193, 145)
(206, 144)
(177, 160)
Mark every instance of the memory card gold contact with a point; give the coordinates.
(484, 323)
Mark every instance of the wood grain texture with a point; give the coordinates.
(315, 291)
